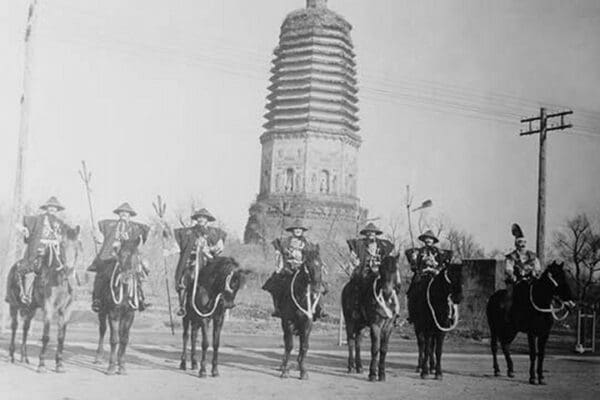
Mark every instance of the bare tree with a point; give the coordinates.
(579, 242)
(463, 244)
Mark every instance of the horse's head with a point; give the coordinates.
(453, 276)
(389, 273)
(556, 274)
(314, 267)
(71, 248)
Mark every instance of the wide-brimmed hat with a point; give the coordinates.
(428, 234)
(297, 224)
(52, 202)
(125, 207)
(203, 212)
(371, 227)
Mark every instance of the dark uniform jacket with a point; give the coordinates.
(369, 257)
(115, 231)
(427, 256)
(292, 250)
(187, 240)
(42, 229)
(522, 266)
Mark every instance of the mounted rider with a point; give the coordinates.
(426, 261)
(198, 245)
(290, 256)
(115, 233)
(368, 252)
(521, 265)
(40, 232)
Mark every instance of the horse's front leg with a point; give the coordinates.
(62, 331)
(375, 346)
(350, 339)
(217, 327)
(510, 372)
(184, 337)
(427, 346)
(14, 324)
(357, 357)
(421, 350)
(439, 347)
(288, 344)
(194, 340)
(26, 325)
(204, 326)
(113, 324)
(102, 317)
(45, 336)
(385, 336)
(125, 323)
(494, 347)
(531, 343)
(541, 351)
(304, 345)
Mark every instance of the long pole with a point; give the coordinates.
(86, 176)
(14, 244)
(541, 212)
(160, 208)
(408, 204)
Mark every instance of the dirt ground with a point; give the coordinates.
(248, 367)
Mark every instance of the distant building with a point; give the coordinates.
(310, 147)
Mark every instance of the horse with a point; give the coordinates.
(52, 292)
(532, 313)
(372, 302)
(435, 302)
(119, 303)
(298, 292)
(213, 292)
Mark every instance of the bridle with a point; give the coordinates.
(217, 298)
(381, 300)
(453, 307)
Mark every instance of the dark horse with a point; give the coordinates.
(532, 313)
(52, 291)
(213, 291)
(299, 293)
(119, 303)
(372, 302)
(435, 300)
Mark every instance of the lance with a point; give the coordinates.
(86, 177)
(160, 208)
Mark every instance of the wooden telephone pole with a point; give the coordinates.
(543, 128)
(14, 242)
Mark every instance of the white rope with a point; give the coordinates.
(382, 303)
(217, 299)
(550, 310)
(453, 309)
(311, 307)
(112, 285)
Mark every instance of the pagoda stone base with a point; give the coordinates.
(327, 221)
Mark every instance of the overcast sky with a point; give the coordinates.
(168, 97)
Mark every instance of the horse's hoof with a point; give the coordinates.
(111, 370)
(202, 373)
(41, 369)
(304, 375)
(215, 373)
(532, 381)
(359, 370)
(182, 365)
(381, 378)
(418, 369)
(372, 378)
(122, 371)
(438, 377)
(510, 374)
(60, 369)
(284, 375)
(194, 365)
(496, 373)
(350, 370)
(97, 360)
(541, 381)
(424, 375)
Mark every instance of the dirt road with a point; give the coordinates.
(248, 370)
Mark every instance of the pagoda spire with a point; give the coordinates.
(316, 3)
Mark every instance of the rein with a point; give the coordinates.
(132, 289)
(453, 307)
(311, 307)
(217, 298)
(550, 310)
(382, 303)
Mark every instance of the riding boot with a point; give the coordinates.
(27, 288)
(142, 298)
(182, 293)
(277, 311)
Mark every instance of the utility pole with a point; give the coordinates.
(14, 242)
(543, 128)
